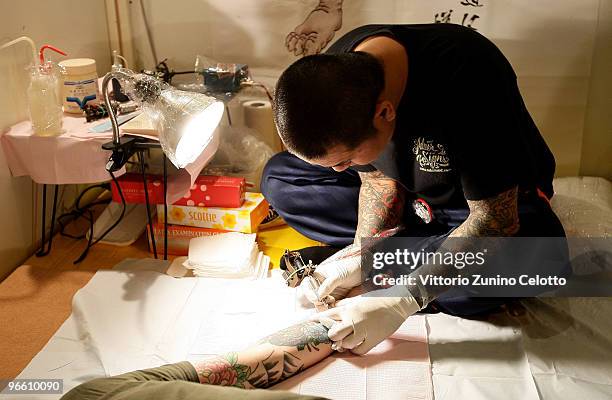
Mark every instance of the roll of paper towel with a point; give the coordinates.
(258, 116)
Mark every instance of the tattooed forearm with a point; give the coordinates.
(496, 216)
(273, 359)
(223, 371)
(307, 335)
(489, 218)
(381, 204)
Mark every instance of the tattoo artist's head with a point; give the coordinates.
(329, 109)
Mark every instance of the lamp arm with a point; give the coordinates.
(119, 74)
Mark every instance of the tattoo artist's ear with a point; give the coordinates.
(385, 110)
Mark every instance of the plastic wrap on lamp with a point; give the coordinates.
(141, 88)
(186, 122)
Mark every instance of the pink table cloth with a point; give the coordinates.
(77, 156)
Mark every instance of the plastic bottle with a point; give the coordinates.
(44, 97)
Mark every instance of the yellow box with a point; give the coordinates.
(244, 219)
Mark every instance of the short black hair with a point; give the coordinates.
(326, 100)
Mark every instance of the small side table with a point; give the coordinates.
(77, 157)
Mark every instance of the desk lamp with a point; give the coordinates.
(185, 122)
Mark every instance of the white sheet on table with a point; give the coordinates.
(478, 360)
(129, 315)
(66, 356)
(398, 368)
(568, 342)
(126, 320)
(243, 312)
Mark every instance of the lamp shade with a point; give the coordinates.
(186, 122)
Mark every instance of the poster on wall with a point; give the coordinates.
(321, 24)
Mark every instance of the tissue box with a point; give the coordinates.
(178, 237)
(213, 191)
(207, 191)
(245, 218)
(133, 189)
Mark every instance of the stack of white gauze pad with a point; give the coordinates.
(227, 255)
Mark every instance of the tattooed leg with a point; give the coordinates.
(273, 359)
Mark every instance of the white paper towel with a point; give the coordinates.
(258, 116)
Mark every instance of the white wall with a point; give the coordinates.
(77, 27)
(597, 141)
(550, 43)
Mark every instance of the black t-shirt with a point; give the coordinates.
(462, 129)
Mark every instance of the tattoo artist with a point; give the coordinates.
(418, 125)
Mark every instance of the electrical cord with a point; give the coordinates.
(79, 211)
(90, 241)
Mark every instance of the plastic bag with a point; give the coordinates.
(240, 153)
(584, 206)
(221, 77)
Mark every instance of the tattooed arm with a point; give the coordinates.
(273, 359)
(381, 204)
(495, 216)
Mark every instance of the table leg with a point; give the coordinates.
(165, 209)
(141, 158)
(42, 252)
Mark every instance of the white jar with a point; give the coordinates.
(80, 84)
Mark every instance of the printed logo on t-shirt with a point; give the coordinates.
(431, 156)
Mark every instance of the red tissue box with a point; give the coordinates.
(207, 191)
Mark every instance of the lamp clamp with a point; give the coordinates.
(122, 152)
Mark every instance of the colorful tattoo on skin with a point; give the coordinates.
(381, 204)
(277, 365)
(224, 371)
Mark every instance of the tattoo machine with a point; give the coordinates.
(296, 270)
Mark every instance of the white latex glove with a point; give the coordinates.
(364, 321)
(337, 275)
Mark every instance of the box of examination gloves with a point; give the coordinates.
(245, 218)
(207, 190)
(178, 237)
